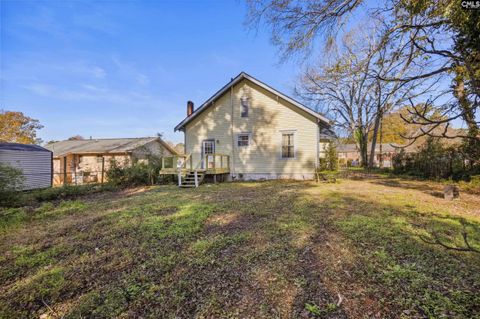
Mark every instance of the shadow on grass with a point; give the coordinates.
(267, 250)
(424, 187)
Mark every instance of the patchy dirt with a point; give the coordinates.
(276, 249)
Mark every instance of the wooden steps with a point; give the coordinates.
(189, 180)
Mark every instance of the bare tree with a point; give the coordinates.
(296, 24)
(351, 91)
(436, 38)
(343, 92)
(443, 41)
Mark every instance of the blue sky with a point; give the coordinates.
(126, 68)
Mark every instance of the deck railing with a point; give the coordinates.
(174, 163)
(216, 163)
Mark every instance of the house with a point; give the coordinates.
(34, 161)
(249, 130)
(326, 136)
(349, 154)
(87, 161)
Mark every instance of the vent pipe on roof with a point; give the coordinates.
(189, 108)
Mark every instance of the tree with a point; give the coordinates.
(349, 89)
(296, 24)
(76, 138)
(342, 92)
(15, 127)
(448, 36)
(331, 157)
(11, 181)
(392, 129)
(443, 42)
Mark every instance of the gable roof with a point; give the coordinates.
(22, 147)
(107, 145)
(236, 80)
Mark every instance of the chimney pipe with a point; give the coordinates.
(189, 108)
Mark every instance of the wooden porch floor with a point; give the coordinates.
(216, 164)
(209, 171)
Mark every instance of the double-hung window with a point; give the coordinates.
(288, 145)
(243, 139)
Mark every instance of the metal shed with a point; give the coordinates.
(35, 162)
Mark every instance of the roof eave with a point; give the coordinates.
(237, 79)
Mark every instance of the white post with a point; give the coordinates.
(196, 179)
(179, 169)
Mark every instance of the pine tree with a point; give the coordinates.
(331, 156)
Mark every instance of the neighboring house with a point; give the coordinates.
(349, 154)
(260, 133)
(34, 161)
(87, 161)
(326, 136)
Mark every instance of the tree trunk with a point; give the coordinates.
(465, 105)
(472, 143)
(381, 143)
(371, 160)
(363, 146)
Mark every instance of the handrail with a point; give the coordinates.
(183, 165)
(183, 162)
(216, 163)
(180, 166)
(195, 172)
(198, 165)
(175, 161)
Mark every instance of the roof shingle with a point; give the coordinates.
(108, 145)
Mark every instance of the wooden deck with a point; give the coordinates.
(211, 164)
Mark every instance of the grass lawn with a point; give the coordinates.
(279, 249)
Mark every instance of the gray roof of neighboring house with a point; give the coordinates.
(327, 133)
(22, 147)
(107, 145)
(386, 147)
(236, 80)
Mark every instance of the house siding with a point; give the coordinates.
(35, 165)
(269, 115)
(87, 168)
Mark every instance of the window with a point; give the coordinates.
(288, 149)
(244, 107)
(208, 147)
(243, 139)
(99, 158)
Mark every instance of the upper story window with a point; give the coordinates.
(288, 145)
(243, 139)
(244, 106)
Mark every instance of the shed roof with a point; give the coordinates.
(236, 80)
(22, 147)
(102, 146)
